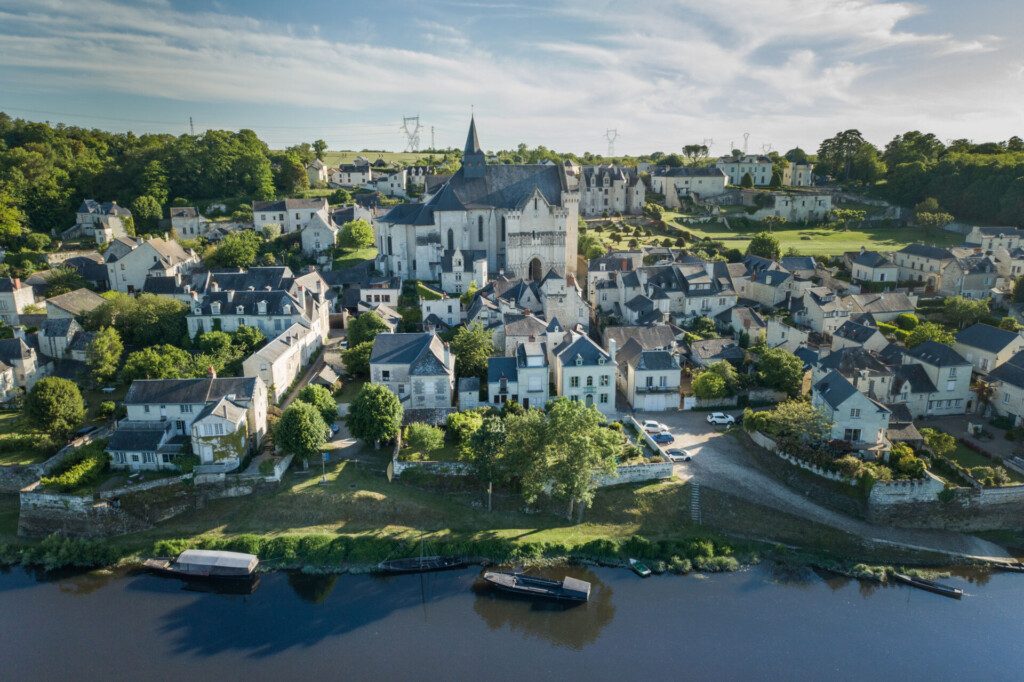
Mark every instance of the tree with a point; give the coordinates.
(1018, 289)
(765, 245)
(375, 415)
(357, 359)
(940, 443)
(695, 152)
(236, 250)
(773, 221)
(929, 331)
(290, 173)
(849, 215)
(271, 231)
(162, 361)
(709, 386)
(356, 234)
(103, 354)
(794, 424)
(904, 463)
(847, 156)
(781, 370)
(907, 321)
(911, 147)
(248, 338)
(319, 147)
(366, 327)
(1009, 324)
(55, 405)
(747, 181)
(797, 155)
(146, 212)
(424, 437)
(61, 280)
(963, 312)
(704, 327)
(579, 447)
(728, 373)
(464, 424)
(485, 453)
(589, 246)
(320, 398)
(37, 241)
(301, 431)
(472, 346)
(216, 343)
(933, 221)
(467, 296)
(776, 181)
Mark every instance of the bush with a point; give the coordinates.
(424, 437)
(267, 467)
(81, 469)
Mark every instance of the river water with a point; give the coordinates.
(754, 624)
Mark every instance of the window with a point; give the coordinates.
(574, 382)
(149, 457)
(854, 413)
(851, 434)
(951, 385)
(952, 372)
(119, 457)
(145, 408)
(385, 375)
(185, 409)
(1006, 397)
(603, 399)
(650, 382)
(166, 458)
(604, 380)
(480, 228)
(590, 381)
(502, 228)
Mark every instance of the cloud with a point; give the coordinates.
(663, 73)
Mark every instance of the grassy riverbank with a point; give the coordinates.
(358, 518)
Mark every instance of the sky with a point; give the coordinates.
(559, 73)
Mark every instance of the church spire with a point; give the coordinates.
(473, 160)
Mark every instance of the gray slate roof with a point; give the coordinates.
(938, 354)
(190, 391)
(423, 352)
(834, 389)
(500, 367)
(986, 337)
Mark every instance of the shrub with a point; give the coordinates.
(82, 468)
(267, 467)
(424, 437)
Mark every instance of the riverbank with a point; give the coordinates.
(357, 518)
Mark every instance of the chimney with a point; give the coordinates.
(17, 282)
(211, 372)
(167, 236)
(214, 286)
(612, 347)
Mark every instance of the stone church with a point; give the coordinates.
(525, 218)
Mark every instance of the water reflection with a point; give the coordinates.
(568, 625)
(312, 588)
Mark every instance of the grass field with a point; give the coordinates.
(968, 459)
(824, 241)
(350, 257)
(12, 424)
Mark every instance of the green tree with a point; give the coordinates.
(579, 447)
(704, 327)
(933, 221)
(162, 361)
(729, 375)
(776, 181)
(940, 443)
(146, 213)
(103, 355)
(236, 250)
(846, 216)
(356, 234)
(485, 453)
(472, 346)
(55, 405)
(962, 312)
(319, 147)
(12, 218)
(375, 415)
(467, 296)
(216, 343)
(1009, 324)
(797, 155)
(907, 321)
(464, 424)
(320, 398)
(424, 437)
(271, 231)
(248, 338)
(37, 241)
(904, 463)
(526, 458)
(709, 386)
(61, 280)
(589, 246)
(765, 245)
(911, 147)
(781, 370)
(773, 222)
(365, 328)
(929, 331)
(357, 359)
(747, 181)
(289, 173)
(301, 431)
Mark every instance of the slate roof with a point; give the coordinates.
(639, 359)
(468, 257)
(138, 436)
(581, 346)
(919, 380)
(14, 349)
(423, 352)
(640, 303)
(249, 302)
(289, 205)
(852, 360)
(190, 391)
(808, 355)
(106, 208)
(162, 285)
(183, 212)
(938, 354)
(926, 251)
(1010, 372)
(872, 259)
(57, 327)
(879, 303)
(498, 368)
(77, 302)
(986, 337)
(716, 349)
(690, 171)
(858, 333)
(223, 408)
(834, 389)
(524, 325)
(792, 263)
(467, 384)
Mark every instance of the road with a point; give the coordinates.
(725, 464)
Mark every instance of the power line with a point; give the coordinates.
(611, 135)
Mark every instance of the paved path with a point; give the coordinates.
(312, 371)
(724, 463)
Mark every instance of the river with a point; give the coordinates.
(752, 625)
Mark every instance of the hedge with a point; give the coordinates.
(81, 469)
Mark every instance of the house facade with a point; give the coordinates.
(290, 214)
(735, 167)
(15, 296)
(280, 362)
(610, 189)
(153, 257)
(648, 378)
(419, 368)
(584, 372)
(697, 182)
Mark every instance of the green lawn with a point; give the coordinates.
(426, 293)
(969, 459)
(12, 424)
(825, 241)
(349, 389)
(448, 453)
(351, 257)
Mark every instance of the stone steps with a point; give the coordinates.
(695, 502)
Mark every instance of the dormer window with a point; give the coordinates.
(579, 359)
(600, 360)
(239, 309)
(215, 307)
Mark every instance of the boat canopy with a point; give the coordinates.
(581, 587)
(213, 562)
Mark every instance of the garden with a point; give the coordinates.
(22, 444)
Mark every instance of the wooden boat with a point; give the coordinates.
(1016, 567)
(568, 589)
(639, 568)
(421, 564)
(929, 585)
(206, 564)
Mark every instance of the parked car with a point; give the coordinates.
(678, 455)
(109, 389)
(721, 418)
(335, 428)
(662, 437)
(651, 426)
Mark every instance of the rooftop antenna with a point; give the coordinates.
(411, 127)
(192, 128)
(611, 135)
(746, 138)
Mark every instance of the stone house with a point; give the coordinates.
(418, 367)
(153, 257)
(795, 207)
(24, 360)
(319, 235)
(1007, 384)
(735, 167)
(856, 335)
(15, 296)
(991, 238)
(871, 266)
(186, 221)
(973, 276)
(272, 312)
(459, 268)
(853, 417)
(922, 263)
(698, 182)
(706, 352)
(610, 189)
(798, 174)
(445, 310)
(986, 347)
(103, 221)
(950, 375)
(821, 310)
(350, 175)
(316, 171)
(523, 377)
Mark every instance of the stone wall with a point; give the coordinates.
(14, 478)
(694, 403)
(436, 468)
(636, 473)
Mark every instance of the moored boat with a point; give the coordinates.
(929, 585)
(639, 568)
(1016, 567)
(206, 564)
(421, 564)
(568, 589)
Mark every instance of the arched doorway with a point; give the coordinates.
(535, 267)
(590, 400)
(451, 239)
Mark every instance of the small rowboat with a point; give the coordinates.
(568, 589)
(929, 586)
(639, 568)
(421, 564)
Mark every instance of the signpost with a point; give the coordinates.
(323, 466)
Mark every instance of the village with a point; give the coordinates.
(554, 334)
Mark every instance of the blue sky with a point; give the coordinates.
(664, 73)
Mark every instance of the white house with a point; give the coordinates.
(27, 366)
(271, 311)
(154, 257)
(523, 377)
(318, 235)
(316, 171)
(1007, 382)
(279, 363)
(950, 375)
(223, 418)
(735, 167)
(14, 298)
(584, 371)
(350, 175)
(854, 417)
(446, 310)
(798, 174)
(852, 334)
(986, 347)
(921, 263)
(290, 214)
(871, 266)
(991, 238)
(795, 207)
(459, 268)
(698, 182)
(648, 378)
(605, 190)
(104, 221)
(186, 221)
